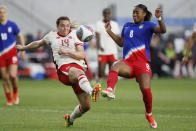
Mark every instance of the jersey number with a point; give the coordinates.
(65, 42)
(4, 36)
(131, 33)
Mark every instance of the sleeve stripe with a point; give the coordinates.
(81, 44)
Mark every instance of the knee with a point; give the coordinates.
(5, 79)
(115, 67)
(13, 77)
(86, 108)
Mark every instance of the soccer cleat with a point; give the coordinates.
(67, 122)
(151, 121)
(9, 103)
(96, 91)
(108, 93)
(16, 98)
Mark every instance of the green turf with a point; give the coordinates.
(43, 104)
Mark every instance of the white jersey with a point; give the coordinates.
(68, 42)
(106, 42)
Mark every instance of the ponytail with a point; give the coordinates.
(148, 13)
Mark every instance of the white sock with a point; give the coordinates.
(76, 113)
(84, 84)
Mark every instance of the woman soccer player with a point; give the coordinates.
(68, 54)
(135, 40)
(190, 46)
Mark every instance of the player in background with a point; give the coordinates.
(68, 54)
(135, 39)
(107, 49)
(9, 31)
(88, 70)
(190, 46)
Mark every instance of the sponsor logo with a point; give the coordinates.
(141, 26)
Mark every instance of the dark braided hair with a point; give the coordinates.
(148, 13)
(62, 18)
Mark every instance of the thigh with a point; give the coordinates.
(143, 80)
(102, 67)
(13, 69)
(123, 69)
(4, 73)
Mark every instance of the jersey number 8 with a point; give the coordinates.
(131, 33)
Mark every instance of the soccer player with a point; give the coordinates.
(107, 49)
(190, 46)
(135, 40)
(68, 54)
(8, 55)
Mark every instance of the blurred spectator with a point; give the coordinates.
(171, 55)
(158, 58)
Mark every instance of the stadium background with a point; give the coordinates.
(43, 103)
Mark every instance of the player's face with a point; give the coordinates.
(64, 27)
(107, 15)
(2, 14)
(138, 15)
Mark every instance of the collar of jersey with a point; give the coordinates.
(63, 35)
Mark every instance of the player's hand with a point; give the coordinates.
(108, 26)
(158, 12)
(184, 60)
(62, 51)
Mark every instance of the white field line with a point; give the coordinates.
(61, 111)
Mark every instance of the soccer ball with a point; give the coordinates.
(85, 33)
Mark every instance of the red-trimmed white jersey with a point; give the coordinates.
(106, 42)
(68, 42)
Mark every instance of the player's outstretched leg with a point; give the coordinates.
(111, 82)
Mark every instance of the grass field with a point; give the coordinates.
(43, 104)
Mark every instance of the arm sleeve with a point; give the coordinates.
(47, 38)
(152, 25)
(78, 42)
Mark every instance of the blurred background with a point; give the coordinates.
(36, 17)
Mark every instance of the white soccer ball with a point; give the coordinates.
(85, 33)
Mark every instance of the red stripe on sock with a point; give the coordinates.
(80, 108)
(112, 79)
(147, 98)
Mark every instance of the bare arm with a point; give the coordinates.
(189, 48)
(119, 40)
(161, 29)
(32, 45)
(22, 43)
(78, 54)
